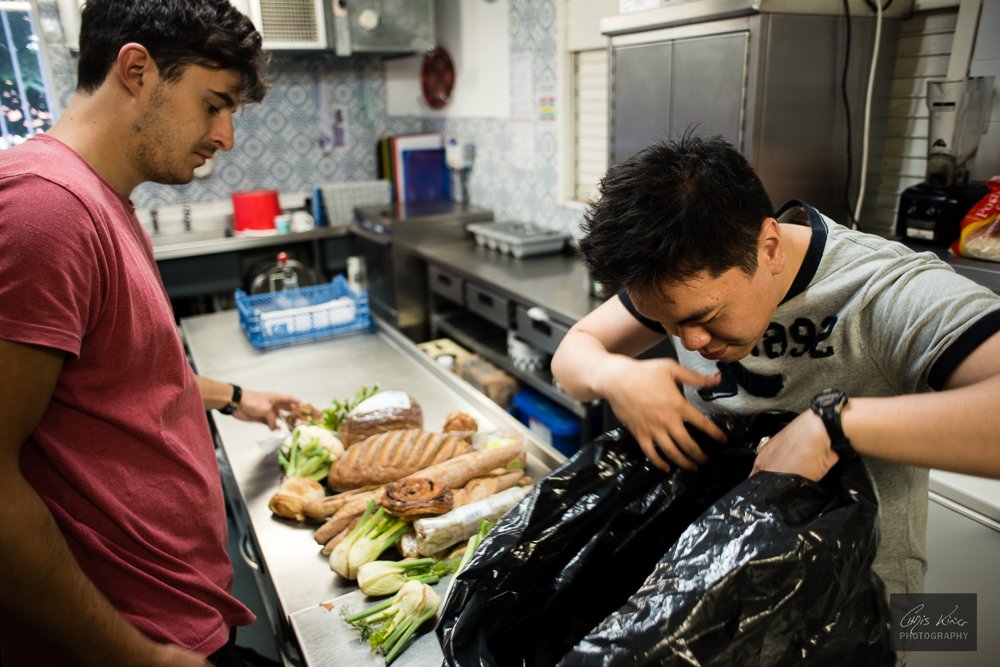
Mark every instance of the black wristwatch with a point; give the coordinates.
(234, 402)
(828, 404)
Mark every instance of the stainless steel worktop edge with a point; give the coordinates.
(179, 246)
(979, 494)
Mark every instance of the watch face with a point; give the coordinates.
(828, 398)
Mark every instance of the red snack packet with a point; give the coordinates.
(980, 232)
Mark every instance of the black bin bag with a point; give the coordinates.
(610, 561)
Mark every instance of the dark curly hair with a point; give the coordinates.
(672, 211)
(177, 33)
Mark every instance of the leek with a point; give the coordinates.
(374, 533)
(389, 625)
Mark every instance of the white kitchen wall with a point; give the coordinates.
(474, 34)
(516, 170)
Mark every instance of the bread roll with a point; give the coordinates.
(460, 421)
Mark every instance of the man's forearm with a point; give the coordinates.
(577, 366)
(957, 429)
(47, 595)
(214, 394)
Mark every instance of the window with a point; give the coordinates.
(24, 96)
(590, 120)
(584, 68)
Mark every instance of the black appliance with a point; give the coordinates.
(933, 213)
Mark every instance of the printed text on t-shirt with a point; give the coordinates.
(802, 337)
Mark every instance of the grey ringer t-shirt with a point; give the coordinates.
(873, 318)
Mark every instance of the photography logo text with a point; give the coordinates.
(933, 621)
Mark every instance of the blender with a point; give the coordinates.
(932, 210)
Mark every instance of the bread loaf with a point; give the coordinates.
(386, 457)
(385, 411)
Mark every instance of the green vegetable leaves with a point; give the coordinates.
(309, 453)
(389, 626)
(333, 416)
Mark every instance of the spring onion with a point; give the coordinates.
(389, 625)
(374, 533)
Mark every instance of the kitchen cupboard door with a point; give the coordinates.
(661, 90)
(963, 549)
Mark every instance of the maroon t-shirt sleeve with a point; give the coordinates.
(50, 286)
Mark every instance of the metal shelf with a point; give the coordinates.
(490, 342)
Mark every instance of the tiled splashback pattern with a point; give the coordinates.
(277, 141)
(511, 193)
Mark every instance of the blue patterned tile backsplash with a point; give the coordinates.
(278, 141)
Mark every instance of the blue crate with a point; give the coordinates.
(551, 423)
(277, 319)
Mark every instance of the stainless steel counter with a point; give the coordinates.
(559, 283)
(318, 373)
(212, 242)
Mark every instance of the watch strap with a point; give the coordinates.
(829, 405)
(234, 401)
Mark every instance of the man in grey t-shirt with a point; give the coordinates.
(767, 311)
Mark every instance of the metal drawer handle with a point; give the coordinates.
(542, 328)
(485, 299)
(537, 314)
(248, 554)
(446, 280)
(539, 321)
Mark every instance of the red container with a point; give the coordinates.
(254, 211)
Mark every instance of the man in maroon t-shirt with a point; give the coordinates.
(113, 529)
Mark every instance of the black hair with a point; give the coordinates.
(672, 211)
(177, 33)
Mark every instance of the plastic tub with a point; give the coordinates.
(254, 211)
(551, 423)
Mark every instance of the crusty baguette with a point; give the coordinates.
(339, 537)
(493, 482)
(456, 472)
(324, 508)
(453, 473)
(337, 523)
(389, 456)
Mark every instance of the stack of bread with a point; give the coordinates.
(410, 472)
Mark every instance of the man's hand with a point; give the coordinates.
(801, 448)
(264, 407)
(646, 397)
